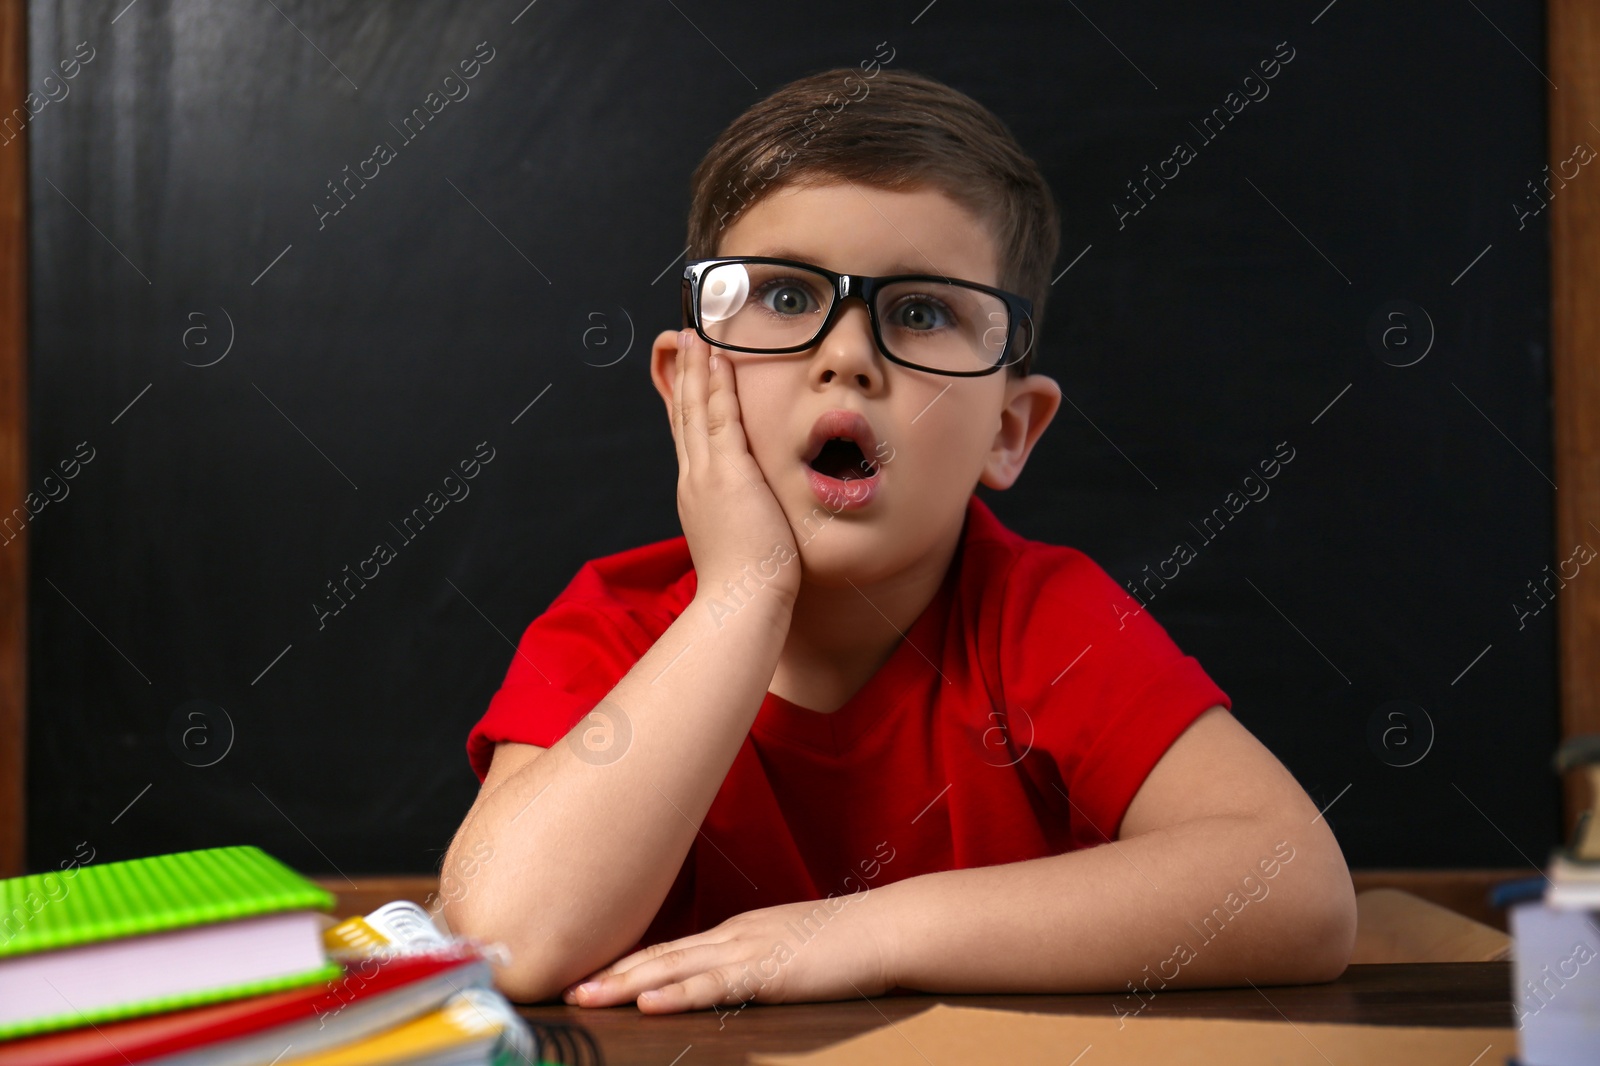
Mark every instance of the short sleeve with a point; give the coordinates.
(569, 659)
(1104, 687)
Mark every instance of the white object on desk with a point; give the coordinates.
(1555, 990)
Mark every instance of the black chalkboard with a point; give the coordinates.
(255, 379)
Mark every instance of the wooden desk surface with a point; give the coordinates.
(1455, 994)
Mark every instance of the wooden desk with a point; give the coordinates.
(1456, 994)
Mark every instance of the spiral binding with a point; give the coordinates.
(565, 1044)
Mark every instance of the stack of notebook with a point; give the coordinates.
(227, 957)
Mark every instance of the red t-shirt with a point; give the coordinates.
(1018, 717)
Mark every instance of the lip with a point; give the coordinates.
(839, 422)
(842, 494)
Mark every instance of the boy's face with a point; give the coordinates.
(938, 435)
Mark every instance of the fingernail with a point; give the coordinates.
(654, 993)
(587, 987)
(683, 335)
(713, 360)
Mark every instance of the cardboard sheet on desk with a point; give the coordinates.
(958, 1036)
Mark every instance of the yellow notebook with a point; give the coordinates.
(472, 1026)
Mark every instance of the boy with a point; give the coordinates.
(849, 734)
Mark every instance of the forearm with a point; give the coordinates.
(1215, 901)
(586, 845)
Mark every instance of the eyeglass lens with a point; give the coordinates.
(930, 323)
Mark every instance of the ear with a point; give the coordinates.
(1031, 402)
(664, 367)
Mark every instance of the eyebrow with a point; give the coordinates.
(899, 266)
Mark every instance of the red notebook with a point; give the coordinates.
(375, 993)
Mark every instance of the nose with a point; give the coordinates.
(848, 349)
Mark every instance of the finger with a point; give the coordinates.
(694, 390)
(723, 421)
(715, 935)
(699, 992)
(680, 401)
(665, 969)
(616, 967)
(627, 962)
(674, 408)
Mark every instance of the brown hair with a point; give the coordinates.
(889, 129)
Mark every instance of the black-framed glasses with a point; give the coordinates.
(941, 325)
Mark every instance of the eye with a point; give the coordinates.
(786, 297)
(921, 313)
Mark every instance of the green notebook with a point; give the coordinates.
(235, 921)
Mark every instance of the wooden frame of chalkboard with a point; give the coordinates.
(13, 445)
(1573, 40)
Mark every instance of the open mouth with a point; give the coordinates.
(841, 458)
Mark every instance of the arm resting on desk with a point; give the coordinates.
(1224, 873)
(565, 858)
